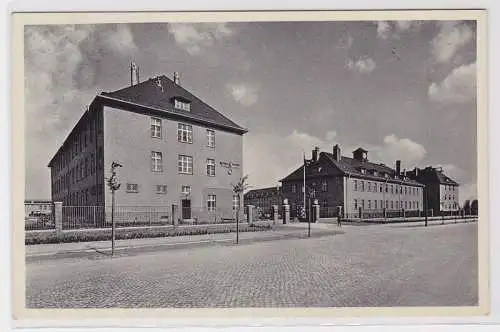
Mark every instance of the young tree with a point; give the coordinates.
(239, 188)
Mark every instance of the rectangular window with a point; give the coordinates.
(132, 187)
(211, 138)
(355, 204)
(363, 204)
(406, 205)
(155, 127)
(355, 185)
(381, 204)
(369, 186)
(392, 189)
(417, 205)
(161, 188)
(236, 202)
(211, 167)
(87, 170)
(392, 204)
(211, 203)
(181, 105)
(397, 205)
(294, 188)
(156, 161)
(369, 204)
(324, 186)
(381, 188)
(185, 164)
(92, 163)
(362, 186)
(386, 204)
(185, 133)
(375, 204)
(186, 190)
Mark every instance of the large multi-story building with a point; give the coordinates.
(264, 198)
(354, 186)
(173, 148)
(442, 193)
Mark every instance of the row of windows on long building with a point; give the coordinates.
(79, 172)
(184, 135)
(359, 185)
(389, 204)
(84, 196)
(184, 132)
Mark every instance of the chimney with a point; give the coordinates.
(134, 74)
(176, 78)
(315, 154)
(416, 171)
(398, 167)
(336, 152)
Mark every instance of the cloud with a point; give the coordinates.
(467, 191)
(383, 29)
(458, 87)
(242, 93)
(331, 135)
(452, 35)
(363, 65)
(393, 29)
(61, 68)
(393, 148)
(194, 37)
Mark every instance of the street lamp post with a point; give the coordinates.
(113, 186)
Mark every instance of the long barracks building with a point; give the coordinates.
(174, 149)
(355, 185)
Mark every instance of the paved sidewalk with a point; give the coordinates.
(67, 249)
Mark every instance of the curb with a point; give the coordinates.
(123, 251)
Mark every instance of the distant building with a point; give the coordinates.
(442, 193)
(355, 185)
(263, 199)
(174, 149)
(37, 207)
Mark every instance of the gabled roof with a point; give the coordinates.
(160, 92)
(352, 167)
(433, 175)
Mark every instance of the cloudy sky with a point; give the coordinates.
(402, 90)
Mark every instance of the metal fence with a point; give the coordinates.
(203, 215)
(77, 217)
(40, 221)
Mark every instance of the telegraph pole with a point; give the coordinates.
(113, 186)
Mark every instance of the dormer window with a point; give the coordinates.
(182, 105)
(363, 171)
(386, 175)
(375, 173)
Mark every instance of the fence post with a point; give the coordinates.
(250, 214)
(275, 214)
(175, 214)
(316, 211)
(58, 217)
(286, 212)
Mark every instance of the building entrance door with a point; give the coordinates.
(186, 208)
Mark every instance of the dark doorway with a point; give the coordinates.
(186, 208)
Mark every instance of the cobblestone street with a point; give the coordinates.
(366, 266)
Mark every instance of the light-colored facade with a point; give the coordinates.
(354, 186)
(134, 150)
(374, 196)
(173, 148)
